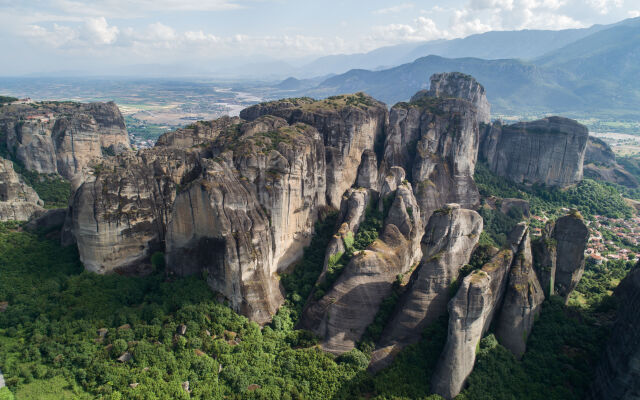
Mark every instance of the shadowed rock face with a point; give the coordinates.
(62, 138)
(459, 85)
(618, 374)
(470, 314)
(18, 201)
(600, 163)
(342, 315)
(436, 139)
(549, 151)
(559, 255)
(522, 302)
(450, 237)
(349, 125)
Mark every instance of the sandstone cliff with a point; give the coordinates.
(522, 302)
(559, 255)
(62, 138)
(459, 85)
(549, 151)
(618, 374)
(435, 140)
(342, 315)
(349, 125)
(450, 237)
(18, 201)
(600, 163)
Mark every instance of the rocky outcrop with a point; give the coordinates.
(349, 124)
(18, 201)
(198, 133)
(618, 374)
(436, 139)
(559, 255)
(515, 207)
(47, 220)
(470, 314)
(342, 315)
(600, 163)
(459, 85)
(522, 302)
(240, 228)
(62, 138)
(549, 151)
(120, 213)
(450, 237)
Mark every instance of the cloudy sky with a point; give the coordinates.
(44, 36)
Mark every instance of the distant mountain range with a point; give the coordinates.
(595, 74)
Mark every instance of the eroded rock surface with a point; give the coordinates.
(522, 302)
(436, 140)
(349, 124)
(342, 315)
(600, 163)
(18, 201)
(618, 374)
(548, 151)
(450, 237)
(463, 86)
(62, 138)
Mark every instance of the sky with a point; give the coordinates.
(47, 36)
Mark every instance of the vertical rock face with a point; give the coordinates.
(197, 133)
(618, 374)
(470, 314)
(559, 255)
(341, 317)
(549, 151)
(450, 237)
(120, 213)
(62, 138)
(349, 124)
(241, 228)
(462, 86)
(18, 201)
(600, 163)
(522, 301)
(436, 139)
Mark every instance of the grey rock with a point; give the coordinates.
(571, 235)
(548, 151)
(522, 302)
(198, 133)
(349, 125)
(47, 220)
(450, 237)
(618, 373)
(63, 138)
(18, 201)
(463, 86)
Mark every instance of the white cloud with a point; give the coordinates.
(634, 13)
(422, 29)
(395, 9)
(605, 6)
(99, 31)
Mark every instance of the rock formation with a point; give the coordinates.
(342, 315)
(62, 138)
(450, 237)
(349, 124)
(559, 255)
(522, 302)
(618, 374)
(18, 201)
(459, 85)
(436, 140)
(198, 133)
(470, 314)
(549, 151)
(242, 227)
(600, 163)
